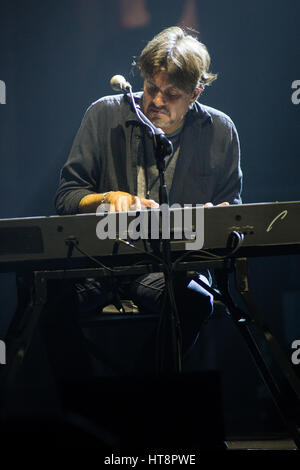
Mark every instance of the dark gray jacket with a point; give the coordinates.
(105, 152)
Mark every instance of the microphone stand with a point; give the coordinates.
(163, 148)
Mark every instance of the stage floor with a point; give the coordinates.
(267, 444)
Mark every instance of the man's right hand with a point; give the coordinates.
(118, 201)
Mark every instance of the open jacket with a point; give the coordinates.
(105, 152)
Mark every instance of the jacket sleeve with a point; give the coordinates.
(81, 171)
(229, 185)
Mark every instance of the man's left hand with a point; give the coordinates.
(209, 204)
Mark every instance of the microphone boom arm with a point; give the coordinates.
(163, 147)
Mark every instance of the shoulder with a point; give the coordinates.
(112, 109)
(113, 103)
(215, 116)
(218, 116)
(110, 103)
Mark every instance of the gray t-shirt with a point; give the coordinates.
(147, 172)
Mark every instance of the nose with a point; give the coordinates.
(159, 99)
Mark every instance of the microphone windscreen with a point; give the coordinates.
(118, 82)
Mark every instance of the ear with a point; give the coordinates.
(197, 92)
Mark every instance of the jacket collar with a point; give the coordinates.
(199, 111)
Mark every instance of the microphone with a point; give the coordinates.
(118, 83)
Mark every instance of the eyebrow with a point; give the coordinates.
(169, 87)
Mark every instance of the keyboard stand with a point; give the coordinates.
(253, 319)
(32, 298)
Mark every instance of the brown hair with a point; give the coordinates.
(180, 54)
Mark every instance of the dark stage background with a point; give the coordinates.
(58, 57)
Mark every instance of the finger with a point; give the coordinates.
(118, 204)
(112, 207)
(208, 204)
(137, 205)
(149, 202)
(125, 203)
(224, 204)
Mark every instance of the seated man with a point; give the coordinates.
(112, 161)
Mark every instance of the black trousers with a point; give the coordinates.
(65, 339)
(194, 303)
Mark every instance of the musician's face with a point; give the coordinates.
(165, 104)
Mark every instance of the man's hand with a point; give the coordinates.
(209, 204)
(120, 201)
(117, 200)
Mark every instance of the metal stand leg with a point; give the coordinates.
(32, 295)
(243, 322)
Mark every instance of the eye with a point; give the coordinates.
(152, 89)
(172, 95)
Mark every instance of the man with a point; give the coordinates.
(112, 159)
